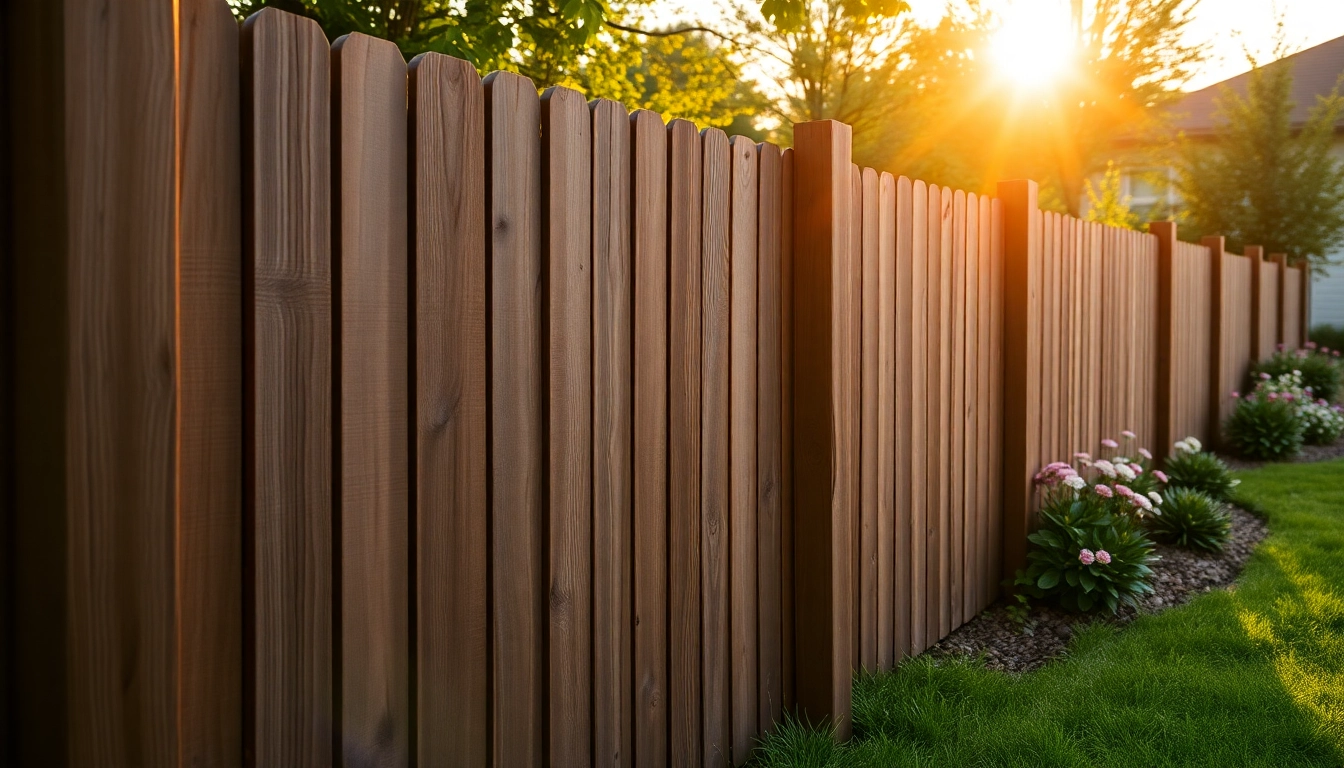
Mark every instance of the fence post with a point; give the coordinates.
(1215, 244)
(1281, 311)
(1021, 363)
(1166, 333)
(825, 471)
(1305, 330)
(1256, 254)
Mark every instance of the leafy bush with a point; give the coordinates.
(1319, 370)
(1090, 550)
(1087, 554)
(1191, 519)
(1265, 428)
(1199, 471)
(1322, 423)
(1329, 337)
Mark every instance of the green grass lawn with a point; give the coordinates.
(1248, 677)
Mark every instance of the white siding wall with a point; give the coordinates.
(1327, 292)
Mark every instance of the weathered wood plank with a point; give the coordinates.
(716, 467)
(517, 418)
(685, 172)
(769, 458)
(867, 208)
(287, 314)
(914, 323)
(957, 466)
(566, 129)
(886, 421)
(372, 412)
(613, 401)
(210, 364)
(786, 291)
(648, 140)
(448, 455)
(902, 559)
(742, 446)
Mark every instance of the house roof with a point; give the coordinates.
(1315, 72)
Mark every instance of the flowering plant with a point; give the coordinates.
(1090, 549)
(1279, 415)
(1190, 466)
(1319, 368)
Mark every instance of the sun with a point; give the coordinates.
(1033, 47)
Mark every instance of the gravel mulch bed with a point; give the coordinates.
(1178, 576)
(1309, 453)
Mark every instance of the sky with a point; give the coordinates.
(1230, 27)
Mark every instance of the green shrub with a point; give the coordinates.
(1265, 427)
(1328, 336)
(1087, 554)
(1191, 519)
(1320, 372)
(1199, 471)
(1322, 423)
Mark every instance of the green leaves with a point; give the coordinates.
(1193, 520)
(1201, 471)
(1055, 571)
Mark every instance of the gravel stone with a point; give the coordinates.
(1179, 575)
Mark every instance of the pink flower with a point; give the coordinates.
(1137, 469)
(1160, 475)
(1109, 443)
(1086, 557)
(1310, 345)
(1128, 435)
(1144, 452)
(1280, 346)
(1335, 353)
(1264, 377)
(1103, 557)
(1104, 491)
(1083, 456)
(1235, 394)
(1273, 396)
(1124, 490)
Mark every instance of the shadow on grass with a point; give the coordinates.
(1253, 676)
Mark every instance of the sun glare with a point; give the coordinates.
(1031, 49)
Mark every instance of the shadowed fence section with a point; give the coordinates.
(377, 413)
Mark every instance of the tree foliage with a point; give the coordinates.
(1107, 203)
(583, 44)
(1263, 181)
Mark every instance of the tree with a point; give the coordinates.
(588, 45)
(1261, 180)
(1107, 203)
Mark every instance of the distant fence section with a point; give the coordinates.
(370, 412)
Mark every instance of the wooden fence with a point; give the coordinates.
(374, 413)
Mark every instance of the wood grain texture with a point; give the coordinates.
(769, 439)
(613, 401)
(517, 418)
(372, 413)
(985, 345)
(209, 400)
(853, 403)
(867, 208)
(885, 425)
(566, 129)
(904, 425)
(1019, 280)
(683, 491)
(111, 323)
(935, 423)
(449, 453)
(998, 420)
(288, 394)
(786, 291)
(914, 324)
(1214, 393)
(1280, 261)
(970, 413)
(745, 180)
(650, 235)
(956, 466)
(716, 467)
(823, 462)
